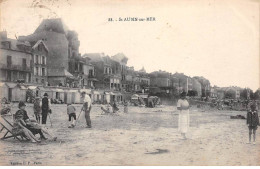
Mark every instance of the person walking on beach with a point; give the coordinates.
(252, 122)
(125, 107)
(86, 107)
(46, 107)
(37, 109)
(184, 116)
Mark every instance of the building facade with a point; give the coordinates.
(16, 60)
(39, 63)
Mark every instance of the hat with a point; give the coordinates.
(21, 103)
(45, 94)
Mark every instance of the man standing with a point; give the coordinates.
(86, 107)
(45, 108)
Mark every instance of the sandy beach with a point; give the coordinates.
(144, 136)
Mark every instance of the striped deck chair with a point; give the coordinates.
(7, 128)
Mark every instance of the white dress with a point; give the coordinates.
(184, 116)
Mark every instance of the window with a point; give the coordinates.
(91, 73)
(9, 76)
(39, 47)
(37, 71)
(43, 60)
(37, 59)
(24, 64)
(36, 80)
(9, 61)
(40, 60)
(43, 72)
(42, 81)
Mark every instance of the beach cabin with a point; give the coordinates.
(58, 94)
(18, 93)
(71, 96)
(35, 90)
(107, 97)
(40, 92)
(96, 96)
(10, 90)
(112, 96)
(3, 91)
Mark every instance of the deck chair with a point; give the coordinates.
(7, 128)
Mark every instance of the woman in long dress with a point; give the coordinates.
(184, 115)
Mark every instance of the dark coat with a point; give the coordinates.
(252, 118)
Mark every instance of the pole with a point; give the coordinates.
(78, 117)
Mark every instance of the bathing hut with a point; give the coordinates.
(4, 91)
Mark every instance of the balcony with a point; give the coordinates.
(16, 67)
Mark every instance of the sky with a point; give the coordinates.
(212, 38)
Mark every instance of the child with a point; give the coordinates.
(72, 115)
(37, 109)
(252, 121)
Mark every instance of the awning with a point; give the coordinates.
(111, 93)
(57, 90)
(88, 91)
(41, 88)
(96, 92)
(47, 89)
(117, 94)
(11, 85)
(144, 96)
(23, 88)
(32, 87)
(73, 91)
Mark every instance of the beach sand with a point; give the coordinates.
(144, 136)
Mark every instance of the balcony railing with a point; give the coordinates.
(16, 67)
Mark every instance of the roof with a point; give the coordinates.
(96, 92)
(14, 44)
(53, 25)
(38, 42)
(88, 91)
(120, 57)
(57, 90)
(32, 87)
(94, 57)
(61, 72)
(11, 85)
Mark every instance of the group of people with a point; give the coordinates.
(113, 107)
(28, 127)
(184, 118)
(71, 111)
